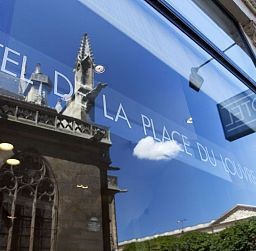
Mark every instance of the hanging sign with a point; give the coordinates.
(238, 115)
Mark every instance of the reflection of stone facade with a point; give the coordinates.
(76, 211)
(112, 190)
(39, 88)
(240, 214)
(29, 202)
(81, 103)
(237, 213)
(79, 165)
(78, 161)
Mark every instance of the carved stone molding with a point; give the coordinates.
(250, 30)
(43, 117)
(251, 5)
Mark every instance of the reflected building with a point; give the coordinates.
(60, 196)
(38, 90)
(236, 214)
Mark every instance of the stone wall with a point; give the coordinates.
(77, 206)
(83, 212)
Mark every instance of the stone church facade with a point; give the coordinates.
(60, 196)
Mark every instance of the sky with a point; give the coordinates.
(199, 174)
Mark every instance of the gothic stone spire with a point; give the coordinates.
(85, 49)
(84, 68)
(84, 91)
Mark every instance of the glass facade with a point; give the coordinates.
(210, 19)
(181, 124)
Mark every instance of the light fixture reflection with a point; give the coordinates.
(11, 217)
(195, 80)
(6, 146)
(82, 186)
(189, 120)
(99, 69)
(13, 162)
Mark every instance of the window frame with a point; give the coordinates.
(192, 32)
(15, 229)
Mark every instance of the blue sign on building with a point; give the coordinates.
(238, 115)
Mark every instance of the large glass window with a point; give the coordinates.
(214, 23)
(182, 126)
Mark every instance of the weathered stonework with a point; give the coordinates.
(77, 153)
(244, 12)
(239, 215)
(77, 206)
(251, 4)
(250, 30)
(79, 163)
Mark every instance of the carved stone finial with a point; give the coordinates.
(37, 92)
(84, 67)
(38, 69)
(85, 49)
(58, 106)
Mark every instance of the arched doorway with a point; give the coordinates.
(28, 205)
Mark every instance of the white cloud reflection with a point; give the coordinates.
(148, 148)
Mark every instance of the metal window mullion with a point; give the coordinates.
(33, 219)
(175, 18)
(54, 221)
(9, 240)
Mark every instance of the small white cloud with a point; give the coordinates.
(148, 148)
